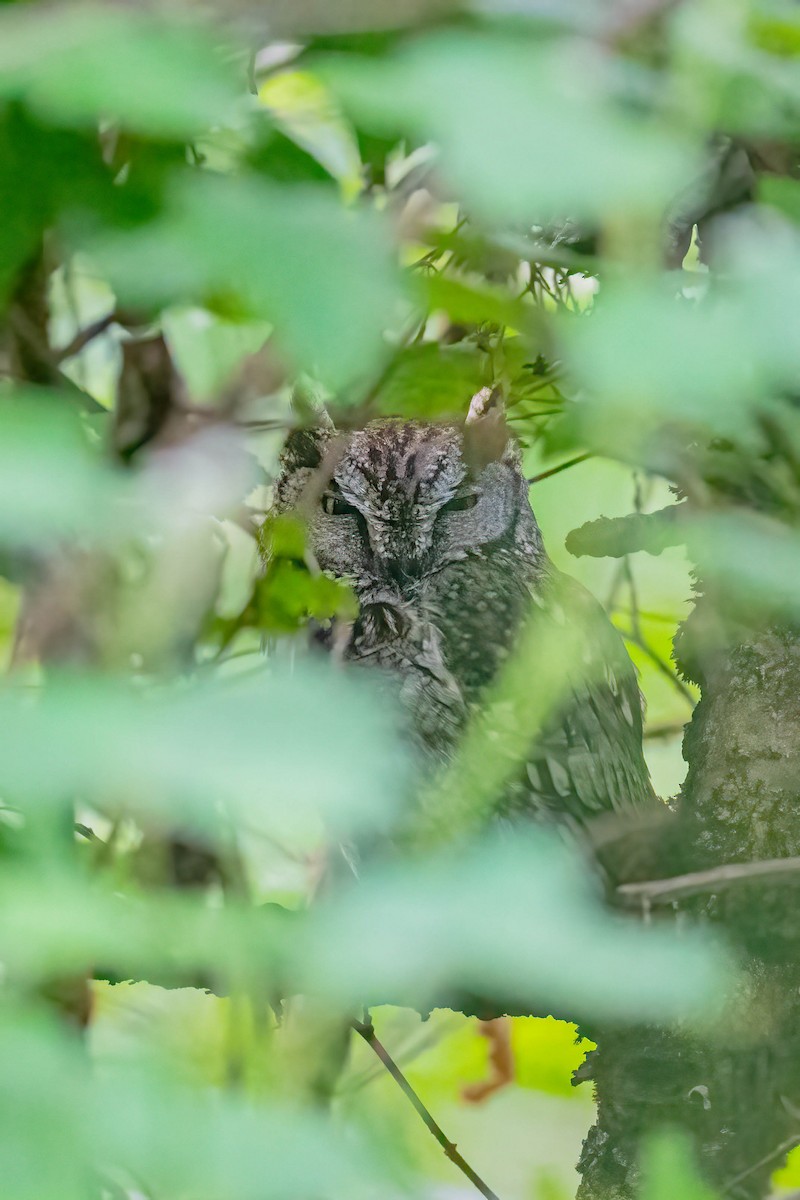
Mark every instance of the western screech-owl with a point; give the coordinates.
(432, 527)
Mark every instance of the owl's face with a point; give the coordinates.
(392, 504)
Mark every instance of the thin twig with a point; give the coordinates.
(409, 1053)
(664, 891)
(662, 665)
(779, 1150)
(366, 1030)
(571, 462)
(666, 729)
(84, 336)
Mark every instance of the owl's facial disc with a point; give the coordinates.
(403, 503)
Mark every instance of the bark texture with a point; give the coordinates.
(735, 1089)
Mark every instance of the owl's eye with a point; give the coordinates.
(335, 506)
(460, 503)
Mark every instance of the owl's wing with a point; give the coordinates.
(588, 758)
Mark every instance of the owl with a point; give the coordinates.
(432, 527)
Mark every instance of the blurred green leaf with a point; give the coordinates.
(783, 194)
(144, 1129)
(754, 558)
(668, 1169)
(735, 66)
(303, 108)
(647, 358)
(281, 253)
(52, 482)
(56, 483)
(62, 922)
(88, 62)
(705, 361)
(208, 350)
(43, 172)
(430, 381)
(528, 132)
(476, 304)
(281, 748)
(515, 920)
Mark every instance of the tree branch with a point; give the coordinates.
(664, 891)
(366, 1030)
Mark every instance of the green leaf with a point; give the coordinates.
(43, 173)
(526, 131)
(537, 937)
(668, 1169)
(703, 362)
(56, 484)
(284, 749)
(132, 1125)
(738, 65)
(478, 304)
(783, 194)
(87, 62)
(208, 350)
(324, 275)
(53, 484)
(647, 358)
(430, 381)
(751, 558)
(288, 595)
(61, 922)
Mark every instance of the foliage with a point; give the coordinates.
(210, 232)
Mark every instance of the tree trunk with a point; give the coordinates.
(734, 1089)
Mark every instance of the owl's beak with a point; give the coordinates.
(396, 570)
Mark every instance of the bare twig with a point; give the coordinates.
(84, 336)
(666, 729)
(366, 1030)
(661, 664)
(778, 1152)
(571, 462)
(664, 891)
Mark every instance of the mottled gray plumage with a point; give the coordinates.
(432, 526)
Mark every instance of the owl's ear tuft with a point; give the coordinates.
(305, 447)
(486, 434)
(485, 401)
